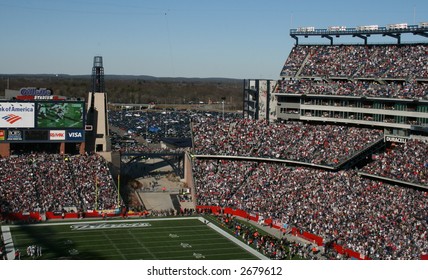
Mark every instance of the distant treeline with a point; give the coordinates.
(135, 89)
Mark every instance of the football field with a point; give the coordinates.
(132, 239)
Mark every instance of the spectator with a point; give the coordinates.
(378, 220)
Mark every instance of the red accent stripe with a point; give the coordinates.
(14, 119)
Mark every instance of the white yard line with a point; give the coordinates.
(114, 246)
(142, 245)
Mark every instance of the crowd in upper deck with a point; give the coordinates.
(371, 70)
(358, 61)
(326, 145)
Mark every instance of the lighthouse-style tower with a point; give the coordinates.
(98, 75)
(97, 121)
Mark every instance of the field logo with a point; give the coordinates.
(107, 226)
(11, 118)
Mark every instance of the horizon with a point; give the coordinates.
(125, 75)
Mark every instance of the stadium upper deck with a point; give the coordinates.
(368, 62)
(378, 85)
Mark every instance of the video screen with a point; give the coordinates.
(60, 115)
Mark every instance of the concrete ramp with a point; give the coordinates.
(157, 200)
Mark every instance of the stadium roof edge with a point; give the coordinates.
(363, 32)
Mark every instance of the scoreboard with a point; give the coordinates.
(42, 121)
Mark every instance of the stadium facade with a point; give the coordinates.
(380, 85)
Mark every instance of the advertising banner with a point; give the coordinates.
(14, 135)
(17, 115)
(36, 135)
(75, 135)
(57, 135)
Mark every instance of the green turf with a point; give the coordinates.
(164, 239)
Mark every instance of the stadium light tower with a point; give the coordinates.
(96, 117)
(98, 75)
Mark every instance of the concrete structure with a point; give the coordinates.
(98, 139)
(97, 128)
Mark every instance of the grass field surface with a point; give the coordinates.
(148, 239)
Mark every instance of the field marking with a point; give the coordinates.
(142, 245)
(233, 239)
(54, 223)
(114, 245)
(204, 221)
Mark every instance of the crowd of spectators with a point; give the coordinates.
(405, 90)
(52, 182)
(326, 145)
(379, 220)
(405, 162)
(295, 60)
(376, 219)
(358, 61)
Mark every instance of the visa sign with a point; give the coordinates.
(75, 135)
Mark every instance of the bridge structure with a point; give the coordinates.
(136, 162)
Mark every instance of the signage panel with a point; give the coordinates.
(75, 135)
(57, 135)
(14, 135)
(36, 135)
(17, 115)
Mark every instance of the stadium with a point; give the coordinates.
(329, 162)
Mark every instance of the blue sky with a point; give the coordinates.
(177, 38)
